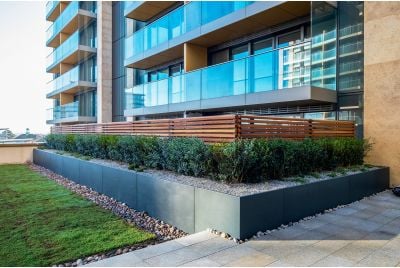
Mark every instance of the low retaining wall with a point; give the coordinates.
(195, 209)
(16, 153)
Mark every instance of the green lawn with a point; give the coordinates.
(42, 223)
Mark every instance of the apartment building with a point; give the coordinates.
(134, 60)
(293, 59)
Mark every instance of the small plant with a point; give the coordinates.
(341, 170)
(332, 174)
(299, 179)
(363, 168)
(368, 165)
(315, 175)
(136, 167)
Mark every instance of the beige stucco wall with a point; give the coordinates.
(382, 84)
(16, 153)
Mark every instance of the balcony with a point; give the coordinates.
(70, 113)
(278, 76)
(54, 8)
(70, 82)
(70, 52)
(205, 24)
(145, 10)
(74, 16)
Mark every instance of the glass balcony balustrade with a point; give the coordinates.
(67, 79)
(178, 22)
(351, 48)
(351, 30)
(269, 71)
(324, 38)
(69, 46)
(50, 5)
(66, 16)
(70, 110)
(64, 111)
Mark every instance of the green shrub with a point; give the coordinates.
(187, 156)
(251, 160)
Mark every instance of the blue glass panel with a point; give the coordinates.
(178, 22)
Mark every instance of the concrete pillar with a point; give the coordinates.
(194, 57)
(104, 61)
(382, 84)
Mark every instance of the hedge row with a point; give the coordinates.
(239, 161)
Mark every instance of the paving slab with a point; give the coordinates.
(365, 233)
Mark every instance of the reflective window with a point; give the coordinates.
(240, 52)
(163, 73)
(219, 56)
(175, 69)
(262, 46)
(289, 39)
(152, 76)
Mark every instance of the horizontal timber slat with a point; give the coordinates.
(222, 128)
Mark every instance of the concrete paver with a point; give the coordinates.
(365, 233)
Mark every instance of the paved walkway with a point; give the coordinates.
(365, 233)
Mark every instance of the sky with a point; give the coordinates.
(23, 75)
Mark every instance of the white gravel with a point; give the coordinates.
(236, 189)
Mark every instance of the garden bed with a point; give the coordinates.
(193, 204)
(236, 189)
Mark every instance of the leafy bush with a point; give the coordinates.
(252, 160)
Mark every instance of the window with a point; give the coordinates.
(219, 57)
(152, 76)
(175, 69)
(163, 73)
(239, 52)
(262, 46)
(289, 39)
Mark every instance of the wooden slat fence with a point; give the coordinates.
(223, 128)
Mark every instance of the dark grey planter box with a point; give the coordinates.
(194, 209)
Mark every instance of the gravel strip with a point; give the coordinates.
(236, 189)
(163, 231)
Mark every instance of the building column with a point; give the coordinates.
(104, 61)
(382, 84)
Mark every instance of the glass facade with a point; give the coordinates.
(81, 63)
(86, 71)
(178, 22)
(86, 37)
(67, 15)
(272, 70)
(323, 44)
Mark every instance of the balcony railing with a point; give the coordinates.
(324, 38)
(351, 30)
(66, 16)
(351, 48)
(69, 46)
(63, 111)
(50, 5)
(178, 22)
(67, 79)
(258, 73)
(70, 110)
